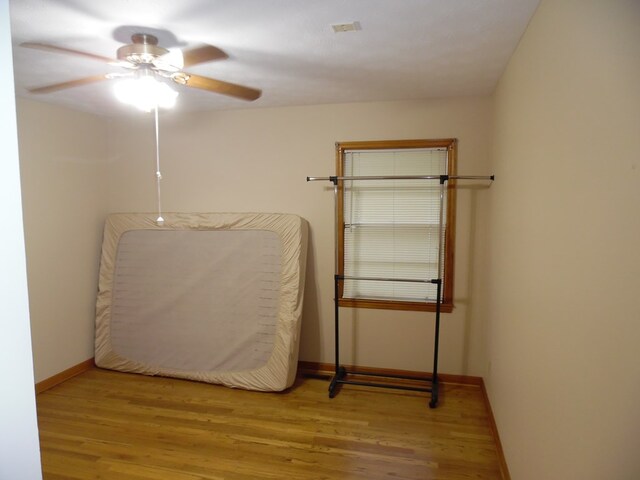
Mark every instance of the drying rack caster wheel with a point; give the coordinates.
(334, 385)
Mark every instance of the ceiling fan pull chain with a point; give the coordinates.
(159, 220)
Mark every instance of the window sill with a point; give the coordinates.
(445, 307)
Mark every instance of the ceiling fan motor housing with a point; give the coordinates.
(143, 50)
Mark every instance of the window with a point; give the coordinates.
(390, 228)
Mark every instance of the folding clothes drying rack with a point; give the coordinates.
(341, 374)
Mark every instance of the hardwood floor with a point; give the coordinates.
(109, 425)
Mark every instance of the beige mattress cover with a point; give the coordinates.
(273, 369)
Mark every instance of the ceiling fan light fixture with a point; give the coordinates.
(145, 93)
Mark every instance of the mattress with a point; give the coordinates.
(212, 297)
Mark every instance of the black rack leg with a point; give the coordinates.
(434, 382)
(340, 372)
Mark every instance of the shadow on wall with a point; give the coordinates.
(471, 312)
(310, 326)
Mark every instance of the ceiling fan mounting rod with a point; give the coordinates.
(144, 38)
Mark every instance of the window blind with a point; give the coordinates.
(391, 227)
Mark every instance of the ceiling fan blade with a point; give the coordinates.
(52, 48)
(71, 83)
(224, 88)
(204, 53)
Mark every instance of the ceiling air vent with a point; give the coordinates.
(346, 27)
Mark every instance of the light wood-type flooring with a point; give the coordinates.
(109, 425)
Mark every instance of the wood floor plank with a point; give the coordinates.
(109, 425)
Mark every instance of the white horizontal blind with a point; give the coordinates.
(391, 227)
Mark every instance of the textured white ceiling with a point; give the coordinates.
(405, 49)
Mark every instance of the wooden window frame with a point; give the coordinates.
(449, 257)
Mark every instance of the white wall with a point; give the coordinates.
(258, 159)
(63, 168)
(19, 449)
(563, 312)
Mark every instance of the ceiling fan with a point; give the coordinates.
(144, 58)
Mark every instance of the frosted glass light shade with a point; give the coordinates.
(145, 93)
